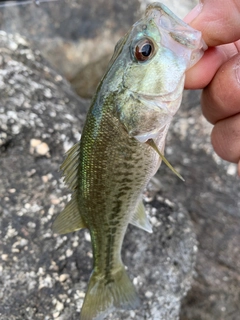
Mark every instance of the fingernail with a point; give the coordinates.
(194, 13)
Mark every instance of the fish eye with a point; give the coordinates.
(144, 50)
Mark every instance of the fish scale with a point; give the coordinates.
(112, 178)
(122, 146)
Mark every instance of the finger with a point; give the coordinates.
(200, 75)
(218, 20)
(226, 138)
(221, 98)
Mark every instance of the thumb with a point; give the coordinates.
(218, 20)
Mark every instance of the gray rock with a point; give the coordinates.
(74, 34)
(44, 276)
(71, 33)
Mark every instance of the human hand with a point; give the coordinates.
(218, 72)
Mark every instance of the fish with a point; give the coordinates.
(122, 147)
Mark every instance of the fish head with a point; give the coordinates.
(147, 71)
(158, 50)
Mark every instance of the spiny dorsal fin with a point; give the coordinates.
(140, 219)
(153, 145)
(70, 166)
(69, 219)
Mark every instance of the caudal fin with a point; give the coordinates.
(104, 296)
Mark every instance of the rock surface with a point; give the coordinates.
(71, 33)
(76, 35)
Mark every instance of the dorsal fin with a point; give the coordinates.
(140, 218)
(70, 219)
(70, 166)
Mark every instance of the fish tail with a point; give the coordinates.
(103, 295)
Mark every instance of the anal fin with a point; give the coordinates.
(69, 219)
(140, 218)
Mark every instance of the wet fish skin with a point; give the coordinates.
(110, 167)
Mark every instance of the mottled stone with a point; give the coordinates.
(78, 36)
(72, 33)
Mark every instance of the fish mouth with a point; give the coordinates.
(176, 34)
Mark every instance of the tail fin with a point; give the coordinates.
(103, 297)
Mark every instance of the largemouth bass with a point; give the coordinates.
(122, 146)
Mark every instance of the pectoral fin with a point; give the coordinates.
(153, 145)
(140, 219)
(69, 219)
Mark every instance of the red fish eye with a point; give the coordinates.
(144, 50)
